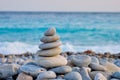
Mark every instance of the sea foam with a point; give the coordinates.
(21, 47)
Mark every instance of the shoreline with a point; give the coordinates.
(86, 52)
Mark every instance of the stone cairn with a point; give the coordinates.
(49, 55)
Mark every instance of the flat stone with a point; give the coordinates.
(49, 62)
(62, 69)
(116, 75)
(46, 75)
(94, 60)
(99, 76)
(73, 76)
(48, 39)
(106, 74)
(49, 52)
(81, 60)
(50, 45)
(50, 32)
(109, 66)
(23, 76)
(84, 74)
(97, 67)
(32, 69)
(8, 70)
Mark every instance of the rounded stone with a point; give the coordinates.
(46, 75)
(50, 45)
(106, 74)
(84, 74)
(50, 32)
(99, 76)
(94, 60)
(47, 39)
(81, 60)
(32, 69)
(49, 52)
(73, 76)
(109, 66)
(23, 76)
(8, 70)
(116, 75)
(49, 62)
(62, 69)
(97, 67)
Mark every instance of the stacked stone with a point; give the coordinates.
(49, 55)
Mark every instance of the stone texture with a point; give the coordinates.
(109, 66)
(97, 67)
(84, 74)
(50, 32)
(62, 69)
(73, 76)
(50, 45)
(49, 52)
(8, 70)
(81, 60)
(49, 62)
(94, 60)
(99, 76)
(116, 75)
(23, 76)
(46, 75)
(48, 39)
(106, 74)
(32, 69)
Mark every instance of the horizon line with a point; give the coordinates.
(58, 12)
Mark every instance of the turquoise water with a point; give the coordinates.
(21, 32)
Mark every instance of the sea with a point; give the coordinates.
(20, 32)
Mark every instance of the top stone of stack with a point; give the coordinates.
(50, 32)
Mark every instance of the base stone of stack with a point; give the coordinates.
(50, 62)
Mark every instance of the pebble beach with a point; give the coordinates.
(51, 63)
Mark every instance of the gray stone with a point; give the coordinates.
(81, 60)
(97, 67)
(62, 69)
(106, 74)
(46, 75)
(73, 76)
(84, 74)
(94, 60)
(23, 76)
(116, 75)
(49, 62)
(49, 52)
(109, 66)
(32, 69)
(47, 39)
(8, 70)
(99, 76)
(117, 62)
(50, 45)
(50, 32)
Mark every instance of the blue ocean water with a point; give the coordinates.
(21, 31)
